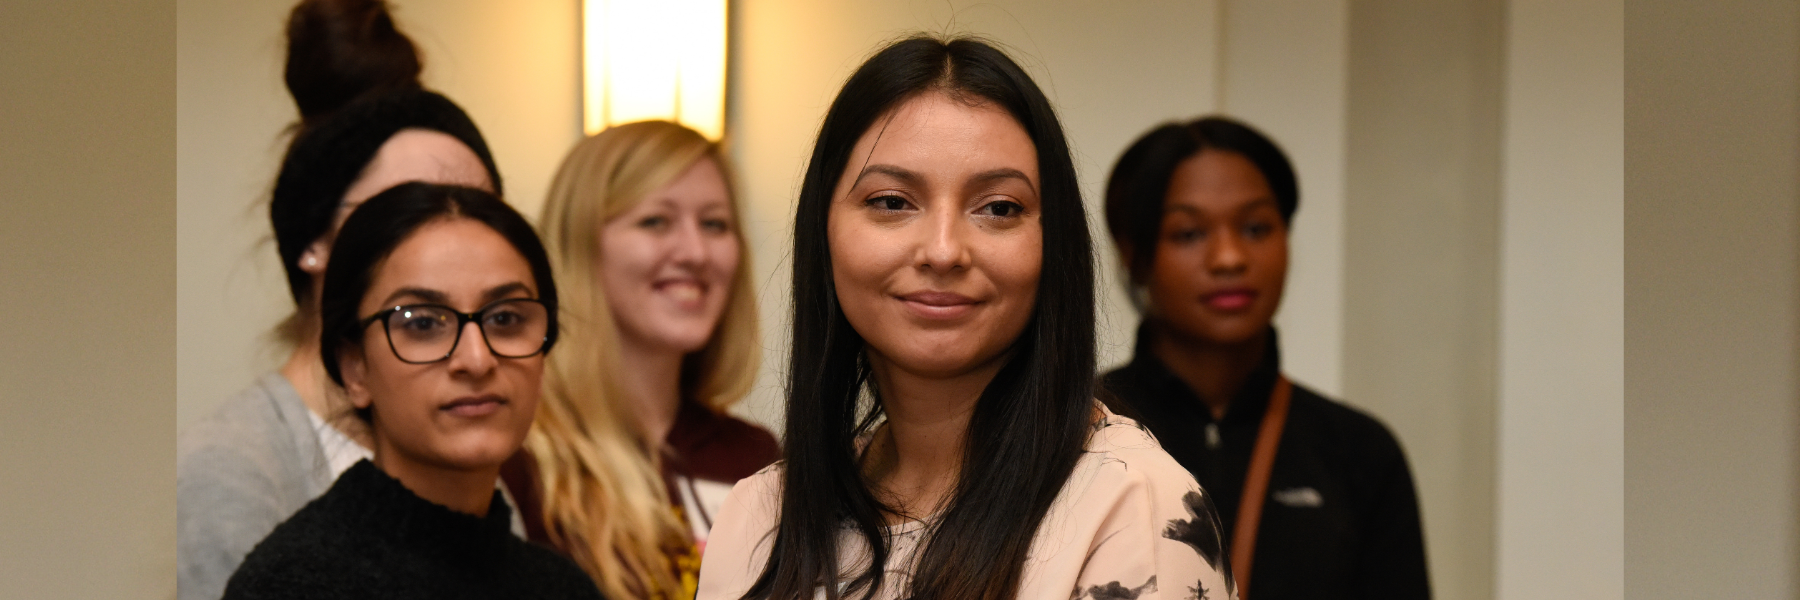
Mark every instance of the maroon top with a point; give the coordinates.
(702, 445)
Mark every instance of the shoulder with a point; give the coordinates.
(1347, 428)
(757, 497)
(742, 536)
(306, 556)
(1127, 469)
(239, 472)
(265, 425)
(1134, 522)
(721, 447)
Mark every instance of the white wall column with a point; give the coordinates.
(1561, 403)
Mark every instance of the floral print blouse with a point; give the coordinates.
(1130, 523)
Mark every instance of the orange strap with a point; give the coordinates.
(1256, 486)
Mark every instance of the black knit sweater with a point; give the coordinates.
(370, 537)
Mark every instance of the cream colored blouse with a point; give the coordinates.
(1130, 523)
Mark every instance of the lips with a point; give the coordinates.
(938, 305)
(474, 406)
(1230, 300)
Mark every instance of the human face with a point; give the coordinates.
(935, 239)
(470, 411)
(1222, 252)
(410, 155)
(667, 263)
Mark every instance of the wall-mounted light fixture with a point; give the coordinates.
(654, 59)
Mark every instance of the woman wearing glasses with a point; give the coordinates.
(437, 312)
(365, 126)
(642, 226)
(943, 440)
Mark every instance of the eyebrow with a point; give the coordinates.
(437, 297)
(914, 179)
(1252, 205)
(993, 175)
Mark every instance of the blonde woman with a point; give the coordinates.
(634, 451)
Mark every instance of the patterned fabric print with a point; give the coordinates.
(1203, 534)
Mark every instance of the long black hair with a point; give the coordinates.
(379, 225)
(1139, 185)
(1029, 425)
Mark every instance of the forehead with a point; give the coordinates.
(458, 257)
(940, 135)
(419, 155)
(700, 186)
(1217, 180)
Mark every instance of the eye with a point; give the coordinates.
(1002, 209)
(1257, 230)
(421, 322)
(715, 225)
(888, 202)
(1184, 235)
(654, 223)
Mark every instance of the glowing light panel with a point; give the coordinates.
(654, 59)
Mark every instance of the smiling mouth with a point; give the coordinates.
(682, 292)
(938, 305)
(474, 406)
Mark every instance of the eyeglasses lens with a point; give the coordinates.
(429, 333)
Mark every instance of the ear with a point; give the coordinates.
(354, 369)
(312, 260)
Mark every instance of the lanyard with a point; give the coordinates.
(1256, 486)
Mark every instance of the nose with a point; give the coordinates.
(944, 247)
(1225, 254)
(687, 244)
(472, 356)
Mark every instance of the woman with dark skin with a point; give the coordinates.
(1200, 212)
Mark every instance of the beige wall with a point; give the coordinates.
(1561, 396)
(1422, 253)
(512, 67)
(87, 273)
(1712, 280)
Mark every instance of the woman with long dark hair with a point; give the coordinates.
(1317, 495)
(943, 440)
(436, 314)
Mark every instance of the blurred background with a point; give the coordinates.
(1555, 358)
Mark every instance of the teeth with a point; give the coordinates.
(684, 293)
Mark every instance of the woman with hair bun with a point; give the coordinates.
(943, 439)
(365, 126)
(642, 225)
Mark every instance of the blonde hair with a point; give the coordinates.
(604, 496)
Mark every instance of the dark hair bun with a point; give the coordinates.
(339, 50)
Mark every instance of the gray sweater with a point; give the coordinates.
(239, 472)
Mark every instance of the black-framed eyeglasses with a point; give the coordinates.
(425, 333)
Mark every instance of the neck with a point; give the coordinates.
(1216, 372)
(914, 460)
(464, 491)
(305, 371)
(650, 379)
